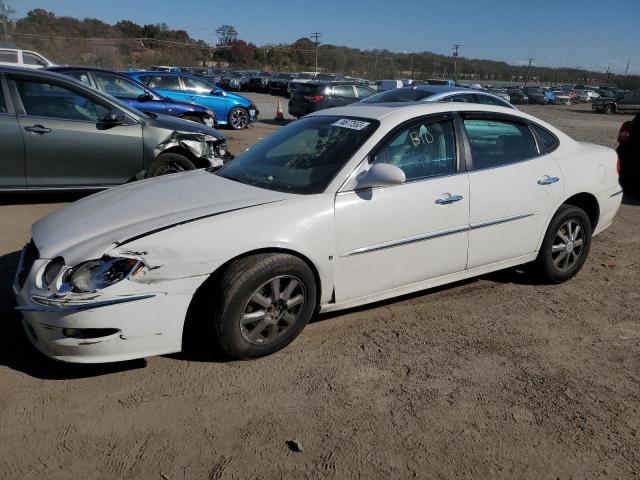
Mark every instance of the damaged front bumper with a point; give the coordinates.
(201, 145)
(133, 320)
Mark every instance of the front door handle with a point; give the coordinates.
(37, 129)
(448, 198)
(547, 180)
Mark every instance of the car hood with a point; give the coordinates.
(93, 225)
(174, 123)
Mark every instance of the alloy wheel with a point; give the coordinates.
(272, 310)
(239, 119)
(567, 245)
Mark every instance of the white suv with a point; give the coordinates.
(14, 57)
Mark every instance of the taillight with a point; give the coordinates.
(313, 98)
(625, 132)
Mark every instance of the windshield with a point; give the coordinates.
(399, 95)
(302, 157)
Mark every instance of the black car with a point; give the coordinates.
(57, 133)
(618, 102)
(259, 83)
(535, 94)
(518, 97)
(279, 83)
(313, 96)
(629, 155)
(138, 95)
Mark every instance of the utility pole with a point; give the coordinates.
(606, 82)
(626, 70)
(4, 11)
(526, 77)
(316, 36)
(411, 67)
(456, 47)
(266, 52)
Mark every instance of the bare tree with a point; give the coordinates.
(227, 34)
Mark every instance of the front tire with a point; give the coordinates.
(608, 109)
(167, 163)
(238, 118)
(565, 246)
(263, 302)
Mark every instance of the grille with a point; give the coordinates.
(29, 256)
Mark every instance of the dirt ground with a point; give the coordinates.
(496, 377)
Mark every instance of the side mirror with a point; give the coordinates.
(380, 175)
(218, 92)
(115, 117)
(145, 97)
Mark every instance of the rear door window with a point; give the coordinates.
(345, 91)
(495, 143)
(8, 56)
(165, 82)
(364, 92)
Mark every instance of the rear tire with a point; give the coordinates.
(167, 163)
(262, 302)
(565, 246)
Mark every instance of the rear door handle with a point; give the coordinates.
(447, 199)
(37, 129)
(547, 180)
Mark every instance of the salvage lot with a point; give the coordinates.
(493, 377)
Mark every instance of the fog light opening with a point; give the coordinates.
(84, 333)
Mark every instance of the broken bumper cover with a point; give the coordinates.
(126, 326)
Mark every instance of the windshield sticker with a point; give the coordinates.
(352, 124)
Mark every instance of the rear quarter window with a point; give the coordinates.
(548, 139)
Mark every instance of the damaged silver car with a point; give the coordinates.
(58, 134)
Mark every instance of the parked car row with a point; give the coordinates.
(59, 133)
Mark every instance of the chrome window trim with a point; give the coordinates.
(430, 236)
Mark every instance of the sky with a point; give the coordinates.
(591, 34)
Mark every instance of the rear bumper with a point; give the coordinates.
(298, 111)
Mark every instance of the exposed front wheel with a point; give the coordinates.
(565, 246)
(263, 302)
(238, 118)
(167, 163)
(193, 118)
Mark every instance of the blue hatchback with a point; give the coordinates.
(137, 95)
(233, 110)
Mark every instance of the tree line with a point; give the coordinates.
(126, 44)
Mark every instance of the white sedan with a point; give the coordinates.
(344, 207)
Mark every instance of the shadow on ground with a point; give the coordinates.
(17, 353)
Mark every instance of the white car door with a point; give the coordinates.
(395, 236)
(514, 186)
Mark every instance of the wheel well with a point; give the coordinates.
(198, 162)
(213, 277)
(589, 204)
(197, 312)
(192, 114)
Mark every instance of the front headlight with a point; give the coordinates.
(93, 275)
